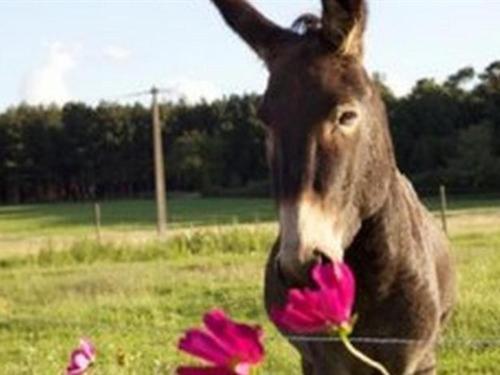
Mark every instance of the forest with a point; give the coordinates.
(444, 133)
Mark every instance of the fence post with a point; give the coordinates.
(442, 194)
(97, 221)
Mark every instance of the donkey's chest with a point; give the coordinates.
(394, 299)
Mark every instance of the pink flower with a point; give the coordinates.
(323, 309)
(233, 348)
(81, 358)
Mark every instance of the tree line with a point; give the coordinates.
(445, 132)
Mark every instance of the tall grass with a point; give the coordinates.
(238, 240)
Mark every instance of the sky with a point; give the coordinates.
(92, 50)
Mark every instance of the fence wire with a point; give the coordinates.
(155, 330)
(477, 343)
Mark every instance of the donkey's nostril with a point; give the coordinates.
(320, 257)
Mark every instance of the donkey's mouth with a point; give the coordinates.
(299, 279)
(280, 274)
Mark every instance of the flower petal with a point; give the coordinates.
(307, 301)
(347, 288)
(204, 345)
(297, 321)
(335, 310)
(316, 310)
(79, 362)
(88, 348)
(241, 341)
(324, 276)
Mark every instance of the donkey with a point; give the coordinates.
(339, 192)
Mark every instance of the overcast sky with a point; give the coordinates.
(54, 51)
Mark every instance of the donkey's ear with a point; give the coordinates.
(344, 23)
(261, 34)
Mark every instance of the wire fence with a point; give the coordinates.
(155, 330)
(476, 343)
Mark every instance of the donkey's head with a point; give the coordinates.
(328, 144)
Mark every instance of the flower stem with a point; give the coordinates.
(362, 357)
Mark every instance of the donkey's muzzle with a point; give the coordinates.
(309, 233)
(292, 272)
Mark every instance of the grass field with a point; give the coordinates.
(77, 218)
(27, 228)
(135, 299)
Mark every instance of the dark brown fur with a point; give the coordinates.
(405, 278)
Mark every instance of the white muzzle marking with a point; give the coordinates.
(304, 227)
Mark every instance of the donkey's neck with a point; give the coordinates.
(384, 247)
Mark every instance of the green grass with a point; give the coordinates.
(478, 312)
(124, 215)
(464, 202)
(26, 228)
(64, 218)
(136, 301)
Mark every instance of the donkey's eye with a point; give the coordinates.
(347, 118)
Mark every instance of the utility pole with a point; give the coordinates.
(159, 164)
(161, 199)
